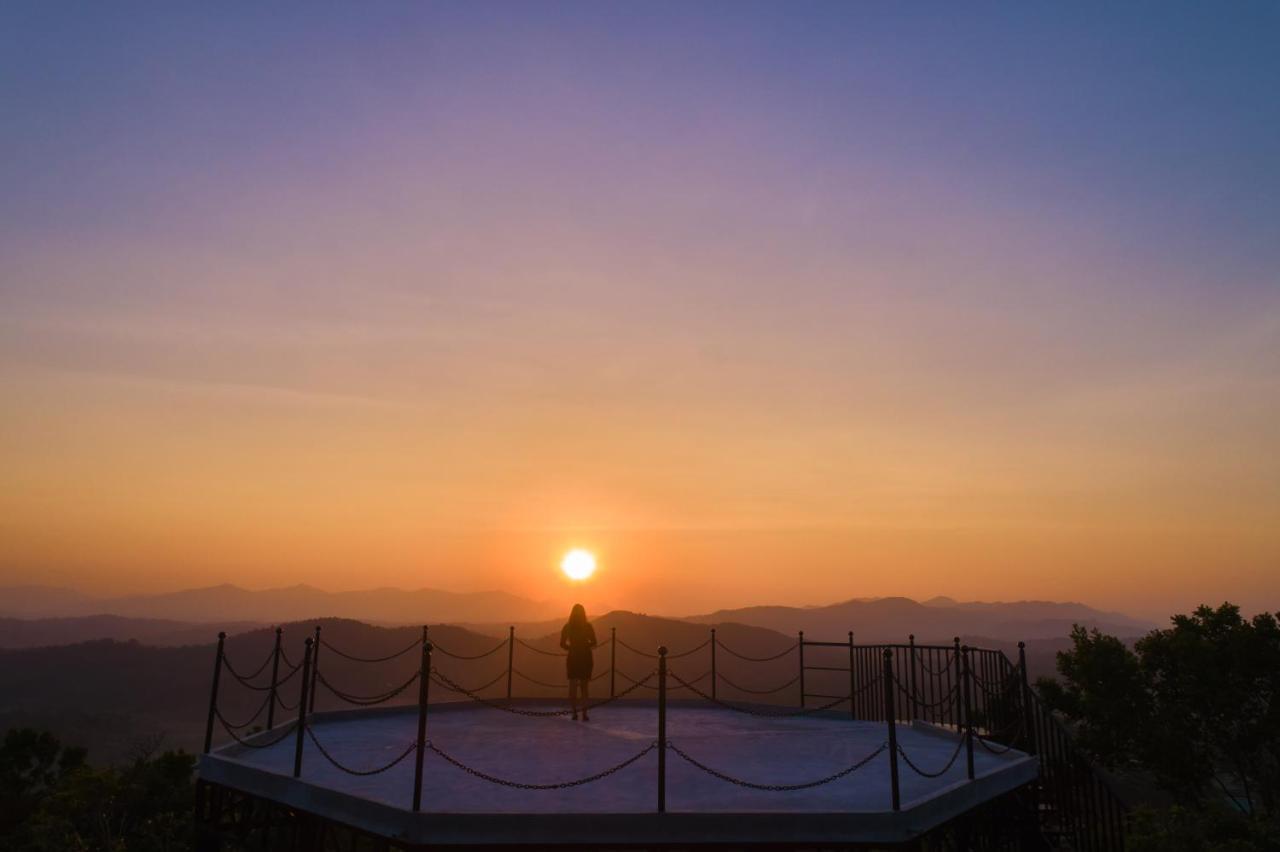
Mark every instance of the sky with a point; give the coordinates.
(761, 302)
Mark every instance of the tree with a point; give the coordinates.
(1196, 706)
(53, 800)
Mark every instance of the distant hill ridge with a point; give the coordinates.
(225, 603)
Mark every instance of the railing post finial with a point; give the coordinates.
(889, 715)
(662, 729)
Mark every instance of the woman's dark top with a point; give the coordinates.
(579, 641)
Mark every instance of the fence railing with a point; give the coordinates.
(978, 693)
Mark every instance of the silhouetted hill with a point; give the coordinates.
(43, 632)
(227, 603)
(111, 695)
(893, 619)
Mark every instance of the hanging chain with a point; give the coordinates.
(776, 656)
(367, 700)
(416, 643)
(779, 688)
(542, 651)
(752, 711)
(226, 661)
(558, 785)
(447, 653)
(246, 743)
(445, 681)
(943, 771)
(778, 788)
(361, 773)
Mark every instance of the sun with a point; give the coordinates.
(578, 564)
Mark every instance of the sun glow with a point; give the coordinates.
(578, 564)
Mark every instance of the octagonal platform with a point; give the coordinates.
(460, 808)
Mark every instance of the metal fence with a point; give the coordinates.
(979, 694)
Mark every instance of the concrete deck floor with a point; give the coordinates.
(544, 750)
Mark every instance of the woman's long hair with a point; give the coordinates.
(577, 620)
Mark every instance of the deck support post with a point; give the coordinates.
(956, 697)
(800, 645)
(966, 678)
(511, 656)
(213, 693)
(302, 709)
(315, 670)
(424, 683)
(853, 688)
(915, 702)
(893, 729)
(713, 662)
(662, 729)
(1028, 716)
(275, 679)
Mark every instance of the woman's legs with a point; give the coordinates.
(584, 683)
(573, 695)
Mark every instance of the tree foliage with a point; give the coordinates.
(51, 799)
(1195, 706)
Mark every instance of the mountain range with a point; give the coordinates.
(227, 603)
(57, 616)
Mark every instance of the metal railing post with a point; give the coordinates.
(915, 702)
(1028, 718)
(613, 661)
(893, 729)
(315, 670)
(275, 679)
(662, 729)
(302, 709)
(424, 682)
(213, 694)
(511, 656)
(956, 697)
(800, 645)
(852, 681)
(966, 677)
(713, 662)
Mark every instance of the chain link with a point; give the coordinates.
(283, 735)
(777, 788)
(538, 682)
(284, 655)
(444, 680)
(697, 679)
(637, 650)
(943, 771)
(226, 661)
(416, 643)
(367, 700)
(482, 687)
(920, 657)
(496, 648)
(805, 711)
(776, 656)
(544, 652)
(261, 708)
(922, 705)
(692, 650)
(779, 688)
(1016, 728)
(559, 785)
(243, 681)
(361, 773)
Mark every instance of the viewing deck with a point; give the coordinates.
(460, 808)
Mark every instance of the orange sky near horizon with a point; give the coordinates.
(759, 307)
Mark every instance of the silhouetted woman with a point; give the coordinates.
(578, 637)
